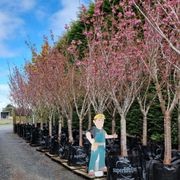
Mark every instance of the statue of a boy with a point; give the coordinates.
(97, 138)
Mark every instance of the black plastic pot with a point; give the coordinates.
(112, 146)
(77, 156)
(122, 168)
(28, 132)
(152, 151)
(54, 146)
(15, 128)
(166, 172)
(35, 136)
(20, 130)
(45, 144)
(63, 139)
(64, 151)
(86, 145)
(175, 155)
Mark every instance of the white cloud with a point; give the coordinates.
(27, 4)
(17, 6)
(9, 25)
(6, 52)
(4, 87)
(65, 15)
(12, 24)
(41, 13)
(4, 95)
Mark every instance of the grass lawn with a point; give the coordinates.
(5, 121)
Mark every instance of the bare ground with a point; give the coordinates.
(19, 161)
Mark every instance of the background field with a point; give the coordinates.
(5, 121)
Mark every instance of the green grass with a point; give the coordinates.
(5, 121)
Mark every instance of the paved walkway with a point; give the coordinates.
(19, 161)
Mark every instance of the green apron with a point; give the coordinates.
(99, 136)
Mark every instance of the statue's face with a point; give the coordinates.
(99, 123)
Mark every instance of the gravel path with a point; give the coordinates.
(19, 161)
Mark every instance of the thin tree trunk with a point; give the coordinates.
(113, 122)
(89, 118)
(70, 130)
(167, 138)
(33, 118)
(50, 127)
(59, 128)
(41, 120)
(144, 140)
(80, 132)
(41, 125)
(53, 121)
(123, 137)
(62, 121)
(179, 125)
(14, 121)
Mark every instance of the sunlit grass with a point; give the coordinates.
(5, 121)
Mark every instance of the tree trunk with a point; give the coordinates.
(33, 118)
(113, 121)
(89, 118)
(41, 125)
(62, 121)
(59, 128)
(50, 127)
(123, 137)
(53, 121)
(14, 122)
(70, 130)
(144, 140)
(179, 125)
(167, 138)
(80, 132)
(113, 125)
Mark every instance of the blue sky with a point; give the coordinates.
(29, 20)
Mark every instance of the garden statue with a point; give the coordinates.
(96, 137)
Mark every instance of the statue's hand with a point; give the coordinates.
(94, 146)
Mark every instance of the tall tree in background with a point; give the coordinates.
(145, 99)
(80, 96)
(163, 17)
(55, 72)
(114, 54)
(79, 88)
(39, 79)
(161, 61)
(18, 91)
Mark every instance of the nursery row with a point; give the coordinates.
(116, 54)
(142, 162)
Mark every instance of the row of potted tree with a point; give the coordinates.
(127, 47)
